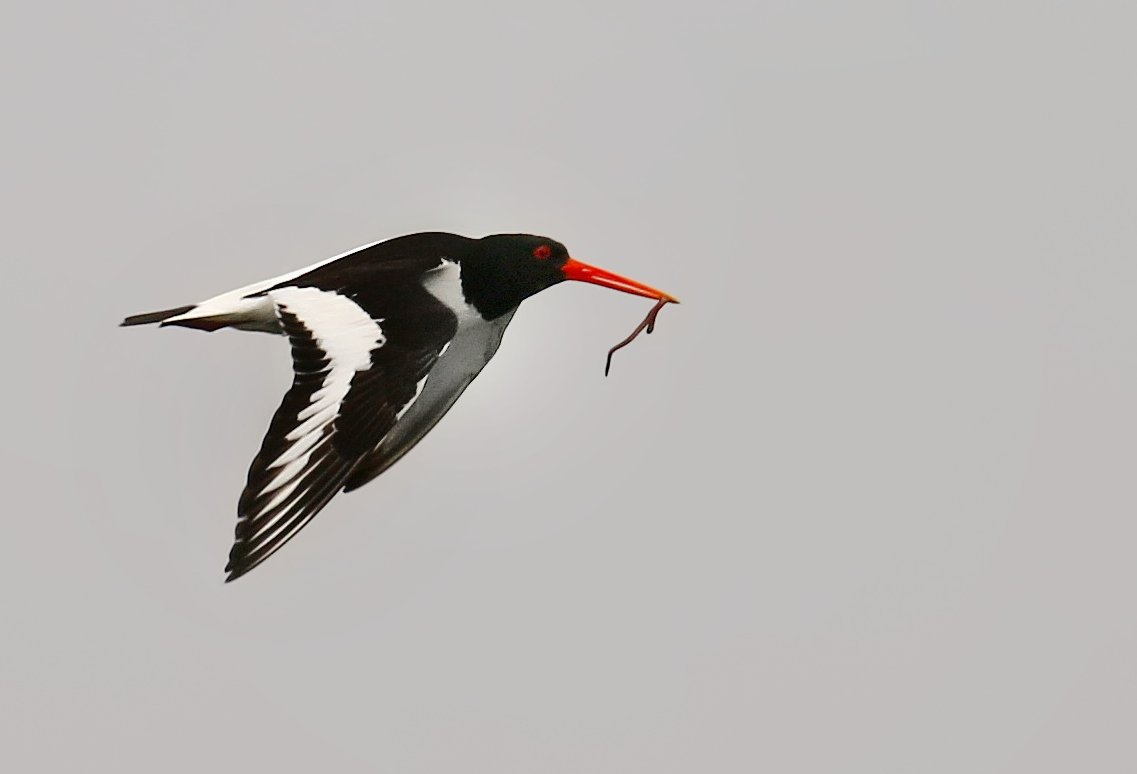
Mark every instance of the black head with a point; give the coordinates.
(501, 271)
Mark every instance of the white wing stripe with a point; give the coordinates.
(278, 522)
(347, 335)
(326, 411)
(298, 448)
(281, 496)
(320, 398)
(288, 472)
(279, 526)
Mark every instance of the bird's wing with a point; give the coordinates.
(356, 372)
(472, 349)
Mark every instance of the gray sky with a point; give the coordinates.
(864, 502)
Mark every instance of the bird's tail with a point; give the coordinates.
(182, 315)
(156, 317)
(249, 309)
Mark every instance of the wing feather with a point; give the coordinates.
(354, 371)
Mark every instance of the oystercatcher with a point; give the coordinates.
(384, 340)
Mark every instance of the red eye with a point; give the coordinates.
(543, 252)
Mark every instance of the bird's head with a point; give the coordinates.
(521, 265)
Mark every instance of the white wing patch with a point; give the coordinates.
(347, 335)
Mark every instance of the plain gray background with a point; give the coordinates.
(863, 503)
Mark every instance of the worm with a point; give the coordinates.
(647, 325)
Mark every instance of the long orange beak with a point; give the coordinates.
(582, 272)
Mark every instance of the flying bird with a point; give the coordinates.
(384, 338)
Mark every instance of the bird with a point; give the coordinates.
(384, 340)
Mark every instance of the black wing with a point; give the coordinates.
(355, 370)
(449, 378)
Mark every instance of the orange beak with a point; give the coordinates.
(582, 272)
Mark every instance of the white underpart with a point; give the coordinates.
(347, 335)
(257, 313)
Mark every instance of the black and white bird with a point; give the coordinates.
(384, 340)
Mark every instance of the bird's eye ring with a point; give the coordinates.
(543, 252)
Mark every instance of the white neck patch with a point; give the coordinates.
(445, 283)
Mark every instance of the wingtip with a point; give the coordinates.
(233, 574)
(232, 570)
